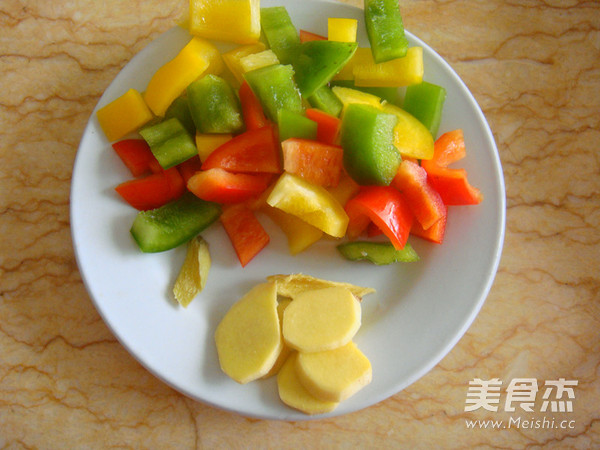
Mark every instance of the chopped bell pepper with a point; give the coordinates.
(136, 155)
(379, 253)
(452, 184)
(425, 101)
(394, 73)
(123, 115)
(208, 143)
(252, 111)
(449, 148)
(348, 96)
(341, 29)
(180, 109)
(189, 167)
(306, 36)
(235, 21)
(318, 61)
(214, 106)
(295, 125)
(300, 235)
(170, 142)
(435, 233)
(318, 163)
(385, 29)
(170, 81)
(411, 137)
(386, 207)
(173, 224)
(220, 186)
(328, 126)
(325, 100)
(249, 152)
(311, 203)
(276, 89)
(258, 60)
(245, 232)
(232, 58)
(424, 201)
(153, 190)
(389, 94)
(345, 189)
(280, 32)
(367, 139)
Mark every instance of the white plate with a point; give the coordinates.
(417, 315)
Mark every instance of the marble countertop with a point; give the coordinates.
(65, 381)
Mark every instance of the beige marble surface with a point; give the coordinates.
(65, 382)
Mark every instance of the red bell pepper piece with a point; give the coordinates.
(314, 161)
(254, 116)
(137, 156)
(424, 201)
(153, 190)
(250, 152)
(435, 233)
(449, 148)
(245, 232)
(328, 126)
(452, 184)
(386, 207)
(189, 167)
(306, 36)
(218, 185)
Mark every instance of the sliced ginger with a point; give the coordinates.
(193, 273)
(321, 319)
(334, 375)
(293, 394)
(285, 349)
(297, 283)
(249, 337)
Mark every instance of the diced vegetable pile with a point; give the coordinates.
(311, 131)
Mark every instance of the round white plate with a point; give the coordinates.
(418, 314)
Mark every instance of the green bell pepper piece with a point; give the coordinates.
(280, 33)
(295, 125)
(367, 136)
(173, 224)
(318, 62)
(380, 253)
(170, 142)
(275, 88)
(385, 30)
(325, 100)
(425, 101)
(180, 110)
(389, 94)
(214, 105)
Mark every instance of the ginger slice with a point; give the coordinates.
(193, 273)
(293, 394)
(297, 283)
(334, 375)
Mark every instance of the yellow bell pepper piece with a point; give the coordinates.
(233, 57)
(361, 56)
(311, 203)
(396, 72)
(207, 143)
(226, 20)
(341, 30)
(195, 59)
(349, 95)
(300, 235)
(258, 60)
(123, 115)
(411, 137)
(345, 189)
